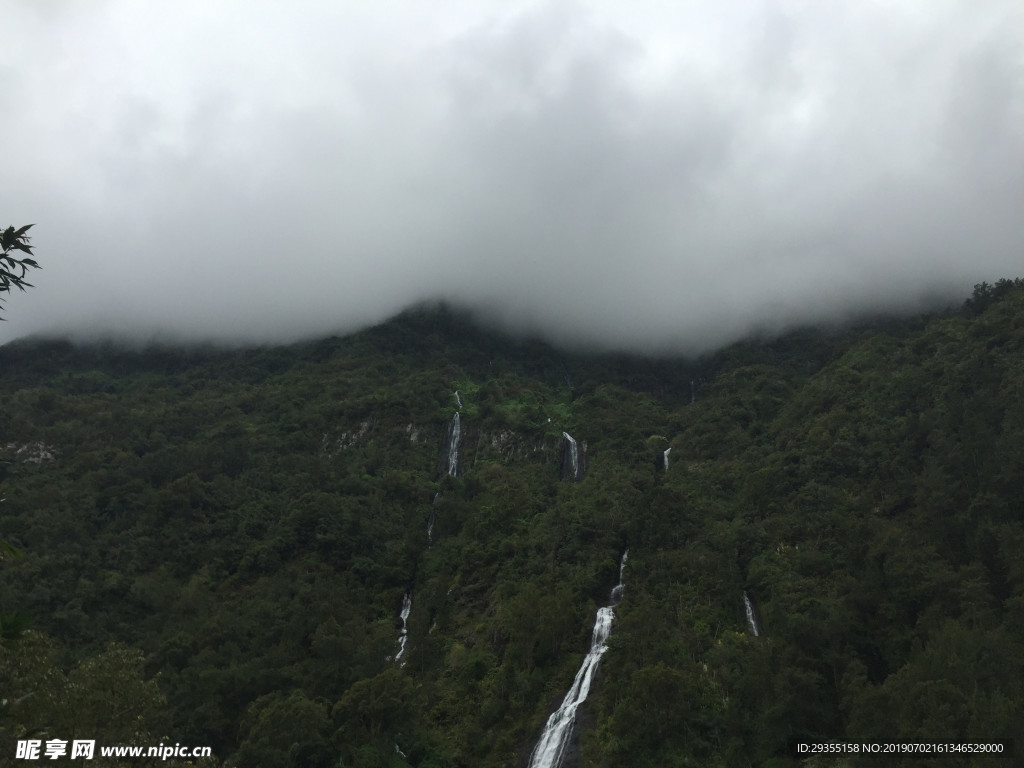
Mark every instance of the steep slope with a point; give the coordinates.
(254, 521)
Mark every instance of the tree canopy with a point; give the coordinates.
(13, 270)
(225, 538)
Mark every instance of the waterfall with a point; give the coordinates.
(618, 588)
(450, 457)
(555, 738)
(752, 622)
(404, 615)
(574, 454)
(431, 520)
(574, 458)
(665, 457)
(693, 392)
(454, 439)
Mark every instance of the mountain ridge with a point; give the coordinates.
(252, 519)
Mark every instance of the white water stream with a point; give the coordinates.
(453, 444)
(455, 437)
(557, 734)
(431, 520)
(574, 456)
(755, 628)
(406, 610)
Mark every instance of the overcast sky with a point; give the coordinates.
(643, 175)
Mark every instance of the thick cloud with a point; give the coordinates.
(609, 174)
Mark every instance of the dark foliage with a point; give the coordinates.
(13, 270)
(252, 519)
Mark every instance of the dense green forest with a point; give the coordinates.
(214, 545)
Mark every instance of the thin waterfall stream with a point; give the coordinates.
(404, 615)
(557, 733)
(454, 439)
(752, 622)
(574, 457)
(452, 449)
(431, 520)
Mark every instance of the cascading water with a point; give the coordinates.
(554, 740)
(574, 457)
(455, 437)
(404, 615)
(693, 392)
(665, 457)
(431, 520)
(619, 588)
(752, 623)
(450, 467)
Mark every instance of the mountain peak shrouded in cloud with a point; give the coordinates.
(603, 174)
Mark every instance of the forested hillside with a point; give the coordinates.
(216, 546)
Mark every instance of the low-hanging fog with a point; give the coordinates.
(654, 176)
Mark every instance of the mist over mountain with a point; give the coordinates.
(406, 547)
(619, 176)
